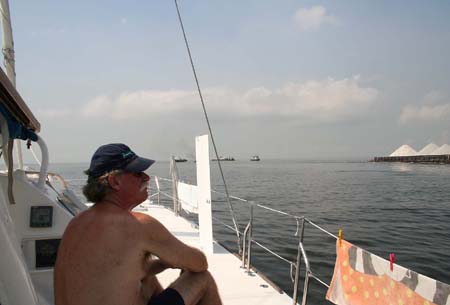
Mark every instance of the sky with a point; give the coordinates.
(281, 79)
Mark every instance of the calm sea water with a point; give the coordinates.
(383, 208)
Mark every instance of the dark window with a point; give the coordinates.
(46, 250)
(41, 216)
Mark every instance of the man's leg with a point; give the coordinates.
(150, 286)
(197, 288)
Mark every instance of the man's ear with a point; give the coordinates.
(114, 181)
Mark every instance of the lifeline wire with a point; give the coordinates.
(209, 127)
(297, 218)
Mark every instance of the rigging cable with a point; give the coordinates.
(209, 127)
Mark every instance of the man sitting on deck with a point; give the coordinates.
(110, 255)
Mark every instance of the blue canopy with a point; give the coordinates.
(16, 129)
(21, 122)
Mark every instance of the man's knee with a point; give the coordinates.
(204, 278)
(209, 279)
(203, 275)
(193, 285)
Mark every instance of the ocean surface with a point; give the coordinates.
(382, 207)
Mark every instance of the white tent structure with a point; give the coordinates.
(443, 150)
(403, 151)
(428, 150)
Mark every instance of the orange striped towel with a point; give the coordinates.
(362, 278)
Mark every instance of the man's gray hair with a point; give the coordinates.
(97, 188)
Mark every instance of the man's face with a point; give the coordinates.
(133, 188)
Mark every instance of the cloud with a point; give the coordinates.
(434, 97)
(426, 113)
(326, 100)
(434, 108)
(311, 19)
(52, 113)
(123, 20)
(143, 103)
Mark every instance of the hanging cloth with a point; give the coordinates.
(362, 278)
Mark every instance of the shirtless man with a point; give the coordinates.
(110, 255)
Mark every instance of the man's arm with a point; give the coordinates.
(170, 250)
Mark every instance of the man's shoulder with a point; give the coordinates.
(149, 222)
(145, 218)
(98, 216)
(78, 219)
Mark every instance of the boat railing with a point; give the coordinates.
(43, 163)
(248, 241)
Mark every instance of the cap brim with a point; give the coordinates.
(139, 165)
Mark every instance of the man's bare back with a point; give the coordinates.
(102, 258)
(107, 254)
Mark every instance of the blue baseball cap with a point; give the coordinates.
(115, 156)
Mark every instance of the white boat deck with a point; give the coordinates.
(236, 287)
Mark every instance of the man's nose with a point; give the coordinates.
(145, 177)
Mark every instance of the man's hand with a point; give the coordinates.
(156, 265)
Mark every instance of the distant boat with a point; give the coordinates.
(224, 159)
(179, 159)
(255, 158)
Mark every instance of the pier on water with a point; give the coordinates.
(436, 159)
